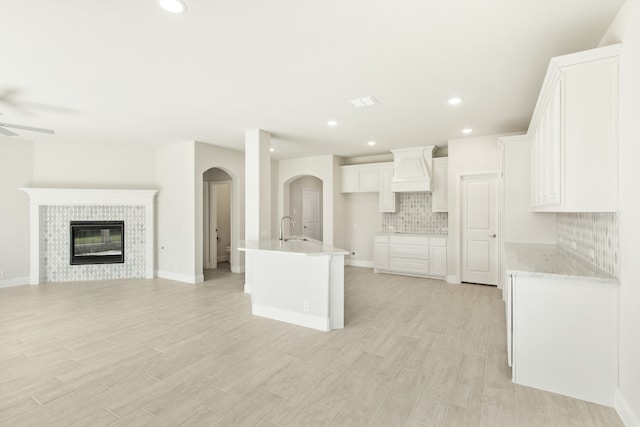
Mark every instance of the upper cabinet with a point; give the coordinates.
(360, 178)
(573, 134)
(439, 185)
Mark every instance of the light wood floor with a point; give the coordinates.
(414, 352)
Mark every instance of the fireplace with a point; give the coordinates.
(97, 242)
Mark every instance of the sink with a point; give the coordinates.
(296, 239)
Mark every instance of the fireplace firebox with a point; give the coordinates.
(97, 242)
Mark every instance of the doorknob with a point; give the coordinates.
(492, 235)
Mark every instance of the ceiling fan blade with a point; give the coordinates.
(7, 132)
(34, 129)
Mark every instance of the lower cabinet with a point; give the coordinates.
(561, 335)
(412, 255)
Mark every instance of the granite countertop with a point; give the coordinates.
(531, 259)
(308, 247)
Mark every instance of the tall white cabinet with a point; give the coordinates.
(573, 134)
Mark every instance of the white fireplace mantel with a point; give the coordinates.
(72, 196)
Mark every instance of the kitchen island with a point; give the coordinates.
(296, 281)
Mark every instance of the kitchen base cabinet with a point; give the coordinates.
(563, 335)
(411, 255)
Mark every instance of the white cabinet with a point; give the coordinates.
(561, 335)
(573, 134)
(440, 185)
(381, 253)
(359, 178)
(387, 200)
(437, 256)
(412, 255)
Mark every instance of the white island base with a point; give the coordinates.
(296, 282)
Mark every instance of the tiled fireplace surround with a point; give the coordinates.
(51, 211)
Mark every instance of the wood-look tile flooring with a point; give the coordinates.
(414, 352)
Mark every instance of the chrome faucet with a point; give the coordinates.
(293, 224)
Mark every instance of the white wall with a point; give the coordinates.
(209, 156)
(521, 224)
(93, 166)
(16, 171)
(625, 28)
(176, 227)
(363, 220)
(469, 155)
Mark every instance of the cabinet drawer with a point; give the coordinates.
(437, 241)
(381, 239)
(406, 265)
(409, 251)
(409, 240)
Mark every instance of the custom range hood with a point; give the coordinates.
(412, 169)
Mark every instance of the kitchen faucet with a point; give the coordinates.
(293, 224)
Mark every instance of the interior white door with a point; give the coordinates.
(479, 224)
(311, 213)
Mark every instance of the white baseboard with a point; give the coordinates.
(629, 418)
(239, 269)
(180, 277)
(358, 263)
(18, 281)
(453, 280)
(299, 319)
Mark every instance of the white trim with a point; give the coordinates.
(247, 288)
(625, 412)
(185, 278)
(300, 319)
(18, 281)
(453, 279)
(359, 263)
(238, 269)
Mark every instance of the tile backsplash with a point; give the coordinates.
(592, 237)
(413, 215)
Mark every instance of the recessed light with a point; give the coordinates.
(173, 6)
(455, 101)
(332, 123)
(367, 101)
(467, 130)
(272, 149)
(371, 143)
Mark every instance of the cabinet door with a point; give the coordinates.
(350, 180)
(387, 199)
(381, 256)
(368, 180)
(437, 260)
(439, 186)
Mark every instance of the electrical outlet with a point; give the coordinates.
(574, 245)
(1, 274)
(353, 254)
(592, 253)
(306, 305)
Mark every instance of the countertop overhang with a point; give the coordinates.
(309, 247)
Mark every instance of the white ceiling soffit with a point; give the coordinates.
(123, 72)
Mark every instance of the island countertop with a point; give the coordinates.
(550, 261)
(308, 247)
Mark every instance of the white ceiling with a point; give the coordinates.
(126, 72)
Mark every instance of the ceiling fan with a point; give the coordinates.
(7, 132)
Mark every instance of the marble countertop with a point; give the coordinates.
(550, 261)
(308, 247)
(397, 233)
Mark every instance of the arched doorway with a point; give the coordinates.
(303, 202)
(217, 218)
